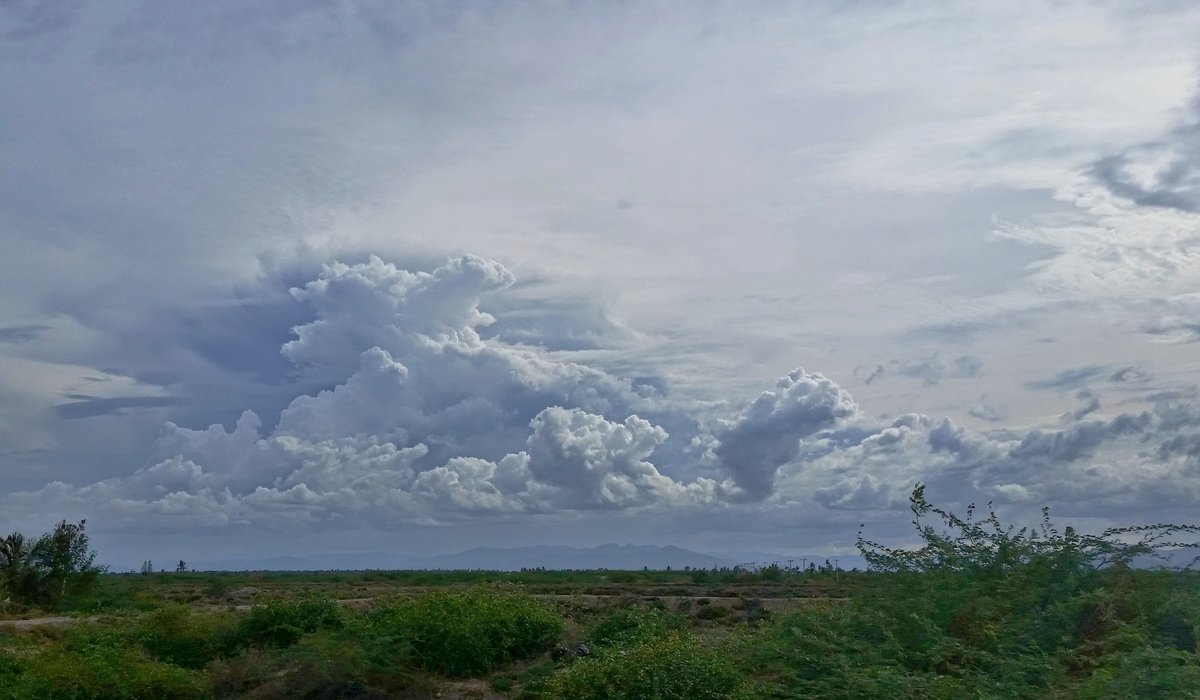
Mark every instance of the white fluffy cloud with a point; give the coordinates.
(430, 423)
(426, 421)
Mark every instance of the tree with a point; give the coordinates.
(18, 567)
(48, 569)
(181, 567)
(67, 561)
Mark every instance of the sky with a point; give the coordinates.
(285, 278)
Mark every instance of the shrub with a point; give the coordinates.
(178, 636)
(325, 664)
(1149, 672)
(470, 632)
(674, 666)
(635, 625)
(10, 671)
(104, 672)
(281, 623)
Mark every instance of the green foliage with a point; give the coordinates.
(281, 623)
(675, 666)
(177, 635)
(967, 544)
(984, 610)
(470, 632)
(631, 626)
(47, 570)
(345, 662)
(96, 664)
(1146, 672)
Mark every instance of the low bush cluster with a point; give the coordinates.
(471, 632)
(675, 665)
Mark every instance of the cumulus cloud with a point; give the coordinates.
(429, 421)
(767, 433)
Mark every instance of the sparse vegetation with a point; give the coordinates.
(979, 610)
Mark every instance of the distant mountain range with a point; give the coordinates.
(606, 556)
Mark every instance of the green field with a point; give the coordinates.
(980, 611)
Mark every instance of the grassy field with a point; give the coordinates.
(981, 610)
(700, 634)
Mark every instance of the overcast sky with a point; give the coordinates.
(298, 277)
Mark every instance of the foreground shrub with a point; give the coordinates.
(179, 636)
(326, 664)
(985, 610)
(1149, 672)
(470, 632)
(101, 672)
(674, 667)
(635, 625)
(281, 623)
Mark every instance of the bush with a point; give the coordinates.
(674, 667)
(324, 664)
(103, 671)
(281, 623)
(1149, 672)
(10, 672)
(176, 635)
(471, 632)
(635, 625)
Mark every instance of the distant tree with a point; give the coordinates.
(147, 568)
(181, 567)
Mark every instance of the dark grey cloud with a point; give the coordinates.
(931, 370)
(988, 411)
(877, 373)
(1181, 329)
(1079, 440)
(1129, 375)
(22, 20)
(767, 433)
(1069, 379)
(22, 334)
(90, 406)
(1090, 403)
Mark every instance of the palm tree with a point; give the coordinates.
(19, 563)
